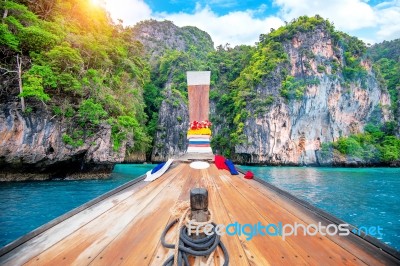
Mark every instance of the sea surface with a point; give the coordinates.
(364, 197)
(24, 206)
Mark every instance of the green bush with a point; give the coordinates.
(7, 38)
(33, 87)
(348, 146)
(91, 112)
(67, 139)
(377, 144)
(36, 39)
(321, 69)
(293, 88)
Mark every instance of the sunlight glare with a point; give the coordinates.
(98, 2)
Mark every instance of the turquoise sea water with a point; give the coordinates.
(359, 196)
(24, 206)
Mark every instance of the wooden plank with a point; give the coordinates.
(317, 249)
(84, 244)
(198, 102)
(266, 250)
(201, 178)
(135, 245)
(161, 254)
(51, 236)
(201, 181)
(237, 255)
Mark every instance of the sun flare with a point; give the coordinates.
(98, 2)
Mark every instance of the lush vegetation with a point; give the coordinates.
(386, 57)
(386, 49)
(226, 64)
(79, 65)
(377, 144)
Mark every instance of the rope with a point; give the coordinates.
(185, 245)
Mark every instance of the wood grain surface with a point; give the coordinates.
(198, 102)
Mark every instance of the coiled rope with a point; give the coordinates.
(185, 245)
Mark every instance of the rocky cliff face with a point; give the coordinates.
(398, 111)
(31, 148)
(291, 131)
(159, 36)
(170, 140)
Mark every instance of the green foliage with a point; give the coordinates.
(198, 41)
(389, 70)
(91, 112)
(264, 61)
(67, 139)
(353, 69)
(226, 64)
(321, 69)
(22, 30)
(173, 66)
(36, 39)
(348, 146)
(33, 87)
(293, 88)
(28, 110)
(69, 112)
(57, 110)
(335, 66)
(262, 65)
(377, 144)
(63, 58)
(7, 38)
(386, 49)
(49, 79)
(301, 24)
(354, 50)
(390, 149)
(125, 126)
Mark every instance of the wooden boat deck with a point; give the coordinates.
(125, 228)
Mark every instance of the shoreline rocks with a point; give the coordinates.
(32, 148)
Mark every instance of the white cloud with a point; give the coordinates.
(388, 19)
(130, 11)
(236, 28)
(346, 14)
(352, 16)
(356, 17)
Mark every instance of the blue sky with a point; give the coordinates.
(220, 7)
(241, 22)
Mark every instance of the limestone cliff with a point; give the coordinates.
(159, 36)
(170, 139)
(31, 148)
(291, 130)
